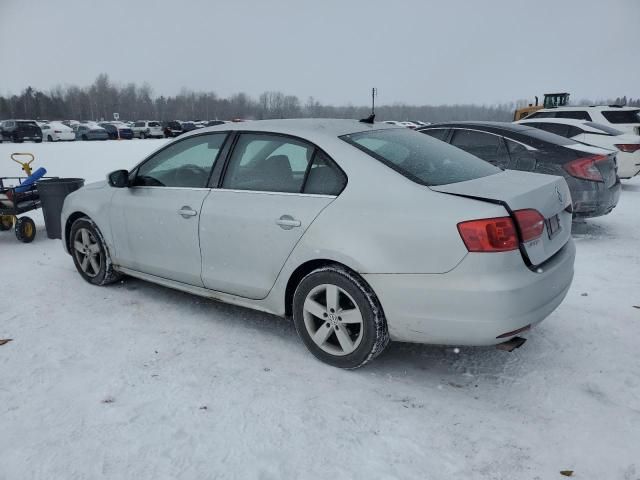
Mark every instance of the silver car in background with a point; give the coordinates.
(361, 232)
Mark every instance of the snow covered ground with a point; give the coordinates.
(138, 381)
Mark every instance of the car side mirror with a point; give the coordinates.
(119, 179)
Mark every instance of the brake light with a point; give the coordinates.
(531, 223)
(586, 168)
(57, 131)
(489, 235)
(628, 147)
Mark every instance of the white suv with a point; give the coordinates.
(626, 119)
(147, 129)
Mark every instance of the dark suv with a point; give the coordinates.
(172, 129)
(20, 130)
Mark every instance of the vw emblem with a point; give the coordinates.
(559, 194)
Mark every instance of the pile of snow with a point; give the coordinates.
(138, 381)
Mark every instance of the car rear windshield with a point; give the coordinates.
(622, 116)
(154, 124)
(605, 128)
(27, 123)
(419, 157)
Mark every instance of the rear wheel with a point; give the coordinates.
(16, 139)
(49, 138)
(90, 254)
(25, 229)
(339, 317)
(84, 137)
(6, 223)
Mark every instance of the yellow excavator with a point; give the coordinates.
(550, 100)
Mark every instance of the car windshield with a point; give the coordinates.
(605, 128)
(420, 157)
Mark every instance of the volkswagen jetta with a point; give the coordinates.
(362, 233)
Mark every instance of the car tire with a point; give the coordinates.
(16, 139)
(6, 223)
(49, 138)
(25, 229)
(90, 253)
(85, 138)
(142, 136)
(339, 318)
(39, 140)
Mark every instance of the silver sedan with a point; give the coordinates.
(361, 232)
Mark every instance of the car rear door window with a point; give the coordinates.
(575, 114)
(622, 116)
(186, 163)
(269, 163)
(324, 177)
(555, 128)
(437, 133)
(486, 146)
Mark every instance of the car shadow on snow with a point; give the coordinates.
(448, 366)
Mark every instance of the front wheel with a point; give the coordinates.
(339, 317)
(25, 229)
(90, 253)
(6, 223)
(49, 138)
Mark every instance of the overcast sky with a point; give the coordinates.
(414, 51)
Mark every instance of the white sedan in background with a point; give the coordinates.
(56, 132)
(626, 145)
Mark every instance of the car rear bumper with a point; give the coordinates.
(594, 199)
(485, 296)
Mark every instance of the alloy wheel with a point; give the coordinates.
(87, 252)
(333, 320)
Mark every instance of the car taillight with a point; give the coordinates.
(57, 131)
(628, 147)
(489, 235)
(499, 234)
(585, 167)
(531, 223)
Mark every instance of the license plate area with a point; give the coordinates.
(553, 225)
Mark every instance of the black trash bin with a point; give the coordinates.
(52, 194)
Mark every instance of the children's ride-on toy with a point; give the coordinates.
(19, 195)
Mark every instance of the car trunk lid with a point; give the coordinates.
(517, 190)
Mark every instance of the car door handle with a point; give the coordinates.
(287, 222)
(187, 212)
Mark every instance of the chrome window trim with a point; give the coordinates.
(263, 192)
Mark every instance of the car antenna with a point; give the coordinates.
(371, 118)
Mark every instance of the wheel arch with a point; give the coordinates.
(67, 227)
(303, 270)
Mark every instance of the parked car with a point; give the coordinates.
(626, 119)
(172, 129)
(280, 216)
(213, 123)
(147, 129)
(117, 130)
(56, 132)
(626, 145)
(19, 131)
(589, 171)
(188, 126)
(91, 131)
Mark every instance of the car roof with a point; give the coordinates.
(309, 128)
(588, 107)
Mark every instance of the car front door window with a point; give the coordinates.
(186, 163)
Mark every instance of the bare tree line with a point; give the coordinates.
(103, 97)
